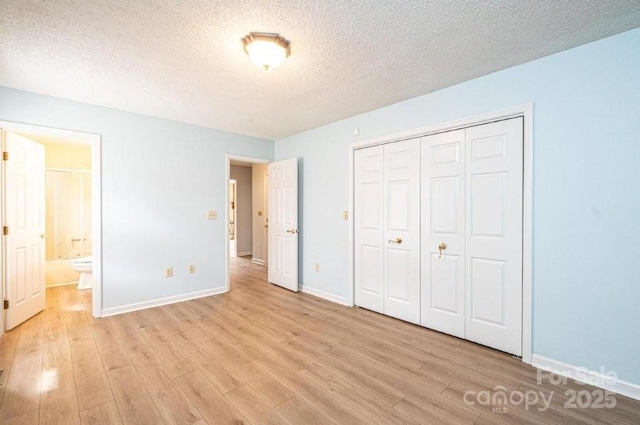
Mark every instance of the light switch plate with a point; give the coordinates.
(345, 215)
(212, 215)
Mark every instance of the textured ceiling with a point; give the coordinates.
(183, 59)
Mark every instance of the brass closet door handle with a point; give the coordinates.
(397, 241)
(293, 231)
(441, 248)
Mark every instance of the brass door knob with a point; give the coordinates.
(292, 231)
(398, 241)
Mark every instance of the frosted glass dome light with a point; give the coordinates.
(266, 50)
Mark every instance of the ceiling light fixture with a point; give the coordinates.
(267, 50)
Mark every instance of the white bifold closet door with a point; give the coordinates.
(369, 228)
(387, 223)
(472, 233)
(443, 232)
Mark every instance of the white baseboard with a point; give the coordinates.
(324, 295)
(112, 311)
(257, 261)
(62, 284)
(244, 253)
(597, 379)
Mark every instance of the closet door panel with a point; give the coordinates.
(369, 228)
(402, 230)
(494, 235)
(443, 232)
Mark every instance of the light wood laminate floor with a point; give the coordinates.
(263, 355)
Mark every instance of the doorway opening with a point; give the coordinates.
(275, 218)
(51, 197)
(246, 215)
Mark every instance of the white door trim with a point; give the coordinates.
(96, 199)
(229, 157)
(525, 111)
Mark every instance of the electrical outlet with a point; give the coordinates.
(317, 267)
(192, 268)
(168, 272)
(212, 215)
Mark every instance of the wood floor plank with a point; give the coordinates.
(436, 410)
(169, 354)
(269, 387)
(407, 382)
(297, 411)
(22, 392)
(171, 402)
(115, 358)
(29, 418)
(57, 356)
(31, 338)
(367, 404)
(8, 344)
(129, 335)
(133, 400)
(90, 377)
(316, 395)
(211, 404)
(254, 407)
(105, 335)
(59, 405)
(213, 369)
(103, 414)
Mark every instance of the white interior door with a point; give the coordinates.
(369, 228)
(24, 212)
(283, 224)
(443, 232)
(494, 235)
(402, 230)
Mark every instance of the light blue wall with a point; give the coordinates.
(159, 179)
(586, 193)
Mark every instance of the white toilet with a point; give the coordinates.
(84, 267)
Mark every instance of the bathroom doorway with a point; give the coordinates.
(65, 254)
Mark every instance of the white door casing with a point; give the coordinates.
(283, 224)
(233, 219)
(24, 216)
(443, 232)
(494, 194)
(402, 230)
(265, 236)
(369, 225)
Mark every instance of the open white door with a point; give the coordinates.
(283, 224)
(24, 218)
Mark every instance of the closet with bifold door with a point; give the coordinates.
(438, 232)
